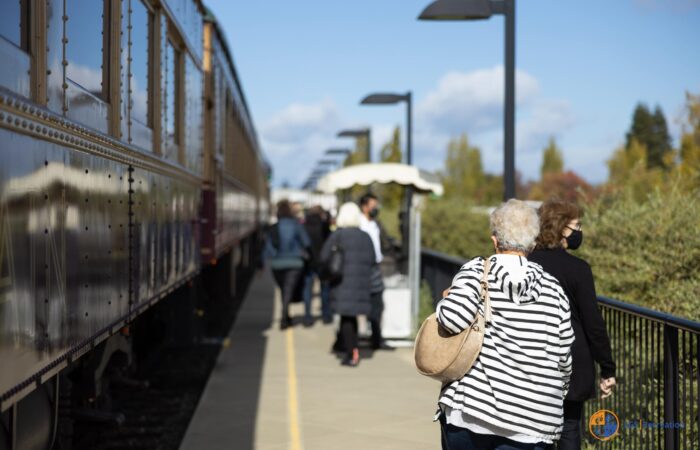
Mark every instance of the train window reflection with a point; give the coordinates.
(14, 21)
(171, 81)
(86, 40)
(141, 29)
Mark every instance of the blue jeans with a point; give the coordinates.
(308, 291)
(571, 434)
(457, 438)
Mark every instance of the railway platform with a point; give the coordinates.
(273, 389)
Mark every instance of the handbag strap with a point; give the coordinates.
(485, 297)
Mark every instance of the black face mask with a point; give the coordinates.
(574, 240)
(373, 213)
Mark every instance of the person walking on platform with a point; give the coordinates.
(369, 205)
(560, 231)
(512, 397)
(318, 229)
(350, 293)
(288, 248)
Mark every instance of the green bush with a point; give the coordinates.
(647, 252)
(425, 303)
(642, 251)
(455, 228)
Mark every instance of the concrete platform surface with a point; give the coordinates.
(275, 389)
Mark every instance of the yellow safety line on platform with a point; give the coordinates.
(294, 432)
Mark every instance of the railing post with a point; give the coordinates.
(671, 380)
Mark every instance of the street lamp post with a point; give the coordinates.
(390, 99)
(328, 163)
(358, 133)
(483, 9)
(339, 151)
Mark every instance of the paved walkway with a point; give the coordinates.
(275, 389)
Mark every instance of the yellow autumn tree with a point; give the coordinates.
(391, 195)
(689, 166)
(628, 168)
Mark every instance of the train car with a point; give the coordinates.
(128, 165)
(236, 193)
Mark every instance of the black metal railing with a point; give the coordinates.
(657, 398)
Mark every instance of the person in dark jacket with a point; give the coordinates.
(318, 229)
(287, 246)
(350, 296)
(560, 231)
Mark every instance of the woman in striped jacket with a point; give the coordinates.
(512, 397)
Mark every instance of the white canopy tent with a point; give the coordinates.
(366, 174)
(401, 293)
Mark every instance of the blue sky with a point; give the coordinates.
(582, 67)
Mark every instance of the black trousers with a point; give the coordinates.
(571, 433)
(375, 317)
(287, 280)
(348, 334)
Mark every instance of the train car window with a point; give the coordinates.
(171, 78)
(14, 21)
(192, 96)
(140, 33)
(86, 31)
(14, 46)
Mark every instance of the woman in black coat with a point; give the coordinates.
(560, 229)
(350, 295)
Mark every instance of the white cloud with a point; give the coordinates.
(472, 101)
(461, 102)
(545, 119)
(87, 77)
(298, 121)
(297, 136)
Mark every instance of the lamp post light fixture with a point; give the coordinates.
(338, 151)
(478, 10)
(345, 152)
(390, 99)
(328, 162)
(358, 133)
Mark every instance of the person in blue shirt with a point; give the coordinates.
(287, 248)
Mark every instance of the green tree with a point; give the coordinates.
(689, 167)
(390, 195)
(659, 150)
(359, 154)
(491, 193)
(552, 159)
(650, 130)
(628, 169)
(456, 227)
(463, 176)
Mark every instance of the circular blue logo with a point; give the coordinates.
(604, 425)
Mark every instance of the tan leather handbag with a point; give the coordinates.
(448, 357)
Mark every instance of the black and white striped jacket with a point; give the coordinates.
(521, 376)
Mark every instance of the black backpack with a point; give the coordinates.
(333, 268)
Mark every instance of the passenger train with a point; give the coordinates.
(129, 164)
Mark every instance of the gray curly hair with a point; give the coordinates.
(515, 225)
